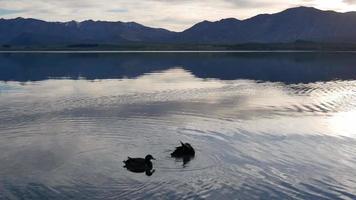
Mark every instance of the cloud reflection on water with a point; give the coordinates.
(253, 139)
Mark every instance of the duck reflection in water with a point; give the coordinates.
(140, 165)
(185, 152)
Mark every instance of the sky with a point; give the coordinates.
(175, 15)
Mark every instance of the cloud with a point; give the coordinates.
(118, 10)
(350, 1)
(171, 14)
(238, 3)
(9, 11)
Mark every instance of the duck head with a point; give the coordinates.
(149, 158)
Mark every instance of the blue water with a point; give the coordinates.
(264, 125)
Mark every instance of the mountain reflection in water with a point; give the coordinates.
(274, 67)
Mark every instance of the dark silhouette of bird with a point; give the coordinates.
(185, 152)
(140, 165)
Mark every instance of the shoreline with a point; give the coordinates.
(178, 51)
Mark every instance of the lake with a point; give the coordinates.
(264, 125)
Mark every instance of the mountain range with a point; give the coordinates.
(294, 24)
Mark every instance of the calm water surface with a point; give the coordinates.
(264, 125)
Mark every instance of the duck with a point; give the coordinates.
(140, 165)
(183, 151)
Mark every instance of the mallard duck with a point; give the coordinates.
(140, 165)
(185, 150)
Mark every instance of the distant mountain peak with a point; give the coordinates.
(310, 9)
(298, 23)
(229, 20)
(303, 8)
(205, 22)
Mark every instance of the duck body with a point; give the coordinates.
(140, 165)
(185, 150)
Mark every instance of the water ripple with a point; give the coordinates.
(254, 140)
